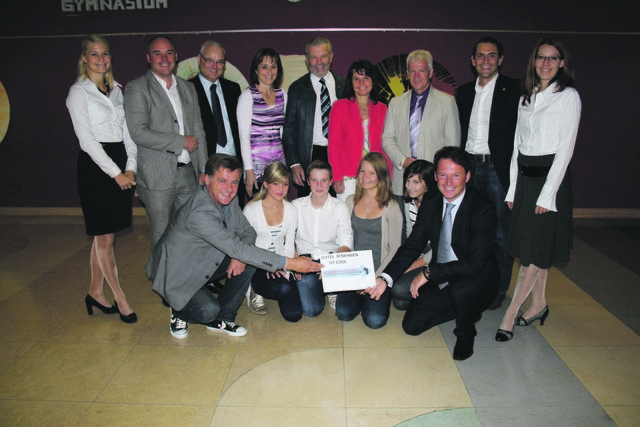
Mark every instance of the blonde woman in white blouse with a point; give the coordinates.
(275, 221)
(106, 169)
(540, 232)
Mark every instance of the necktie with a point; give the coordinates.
(445, 253)
(217, 116)
(414, 127)
(325, 107)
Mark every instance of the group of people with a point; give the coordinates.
(445, 191)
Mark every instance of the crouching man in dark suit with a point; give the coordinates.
(210, 238)
(461, 279)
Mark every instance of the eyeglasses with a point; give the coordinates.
(219, 63)
(552, 59)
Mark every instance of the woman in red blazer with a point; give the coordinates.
(355, 127)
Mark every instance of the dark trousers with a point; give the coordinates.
(318, 152)
(204, 307)
(281, 289)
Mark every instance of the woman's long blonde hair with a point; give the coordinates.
(380, 166)
(275, 172)
(84, 49)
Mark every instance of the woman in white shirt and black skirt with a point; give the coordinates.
(106, 169)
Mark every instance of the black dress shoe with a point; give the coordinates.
(463, 349)
(496, 303)
(214, 286)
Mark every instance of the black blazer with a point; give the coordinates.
(297, 133)
(472, 240)
(502, 122)
(231, 92)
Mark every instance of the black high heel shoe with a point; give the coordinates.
(503, 335)
(90, 303)
(542, 316)
(129, 318)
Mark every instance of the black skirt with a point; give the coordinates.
(106, 207)
(543, 240)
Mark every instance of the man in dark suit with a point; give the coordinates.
(164, 121)
(220, 139)
(488, 108)
(304, 137)
(209, 237)
(460, 281)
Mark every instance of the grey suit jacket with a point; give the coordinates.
(154, 128)
(195, 244)
(439, 127)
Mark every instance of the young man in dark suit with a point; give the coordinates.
(461, 279)
(488, 108)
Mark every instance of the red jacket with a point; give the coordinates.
(346, 136)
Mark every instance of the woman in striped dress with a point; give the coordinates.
(261, 117)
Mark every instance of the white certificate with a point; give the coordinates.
(347, 271)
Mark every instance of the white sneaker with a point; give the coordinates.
(331, 299)
(256, 304)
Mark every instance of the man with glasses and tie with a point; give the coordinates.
(418, 122)
(218, 101)
(306, 125)
(461, 279)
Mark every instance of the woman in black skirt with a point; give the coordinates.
(95, 103)
(539, 195)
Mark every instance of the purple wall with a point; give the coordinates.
(40, 48)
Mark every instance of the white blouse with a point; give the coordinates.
(97, 118)
(547, 125)
(283, 242)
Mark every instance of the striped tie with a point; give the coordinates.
(414, 127)
(325, 107)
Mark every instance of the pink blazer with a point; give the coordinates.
(346, 136)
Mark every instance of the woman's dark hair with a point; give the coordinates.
(265, 52)
(425, 170)
(361, 66)
(563, 79)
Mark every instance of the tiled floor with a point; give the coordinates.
(59, 366)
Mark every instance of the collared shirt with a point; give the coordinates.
(547, 125)
(318, 137)
(176, 103)
(478, 138)
(230, 148)
(97, 118)
(322, 230)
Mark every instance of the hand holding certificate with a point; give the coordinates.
(347, 271)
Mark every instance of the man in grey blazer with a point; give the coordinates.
(164, 121)
(210, 238)
(436, 121)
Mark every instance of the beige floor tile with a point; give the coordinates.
(176, 375)
(278, 417)
(306, 379)
(12, 283)
(272, 330)
(382, 377)
(38, 413)
(62, 371)
(561, 290)
(357, 334)
(111, 414)
(37, 317)
(382, 417)
(11, 352)
(624, 416)
(247, 358)
(105, 328)
(28, 261)
(585, 325)
(610, 373)
(59, 287)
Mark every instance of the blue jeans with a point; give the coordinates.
(281, 289)
(374, 313)
(204, 307)
(484, 179)
(311, 294)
